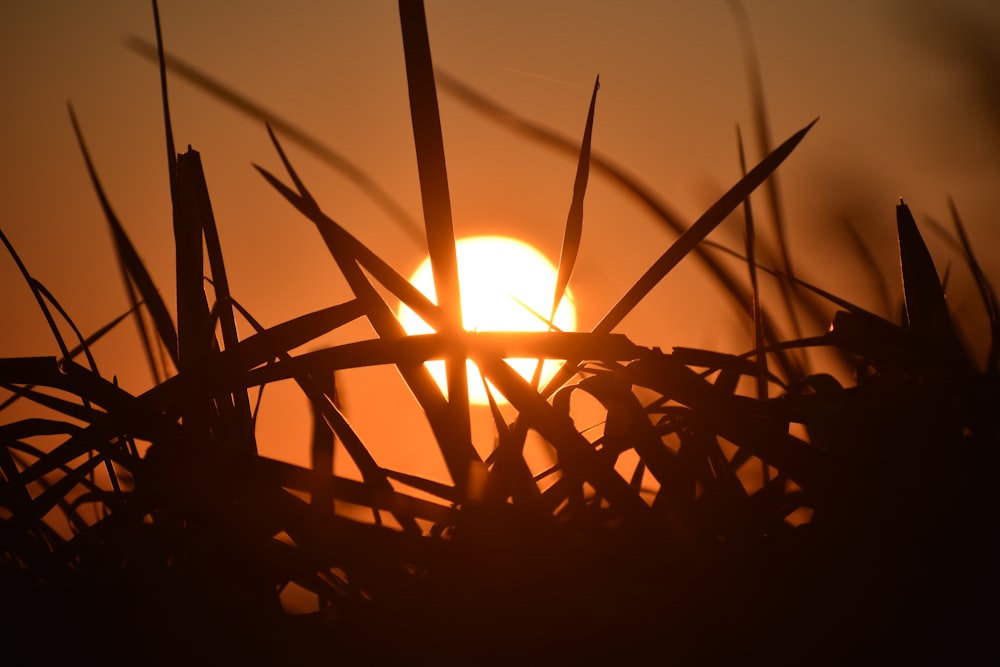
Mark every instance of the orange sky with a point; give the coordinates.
(897, 119)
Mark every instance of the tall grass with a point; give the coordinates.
(798, 521)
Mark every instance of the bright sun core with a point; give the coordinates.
(495, 272)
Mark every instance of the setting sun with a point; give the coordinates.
(502, 281)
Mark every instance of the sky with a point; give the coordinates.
(903, 113)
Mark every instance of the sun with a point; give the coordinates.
(499, 276)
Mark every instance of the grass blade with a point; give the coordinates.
(238, 411)
(699, 230)
(322, 402)
(749, 243)
(133, 267)
(455, 443)
(763, 132)
(436, 199)
(986, 291)
(923, 297)
(168, 130)
(574, 220)
(32, 285)
(195, 337)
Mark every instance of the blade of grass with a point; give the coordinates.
(764, 143)
(699, 230)
(745, 424)
(82, 342)
(416, 349)
(749, 243)
(574, 219)
(321, 449)
(923, 297)
(236, 409)
(195, 337)
(864, 254)
(239, 409)
(576, 455)
(37, 294)
(986, 291)
(433, 176)
(132, 266)
(168, 130)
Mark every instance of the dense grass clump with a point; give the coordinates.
(732, 507)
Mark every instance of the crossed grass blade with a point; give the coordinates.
(37, 293)
(414, 350)
(626, 426)
(15, 488)
(275, 472)
(576, 456)
(237, 409)
(348, 252)
(321, 400)
(88, 342)
(750, 428)
(197, 237)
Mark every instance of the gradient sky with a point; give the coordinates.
(902, 114)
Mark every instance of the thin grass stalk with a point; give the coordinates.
(574, 219)
(764, 144)
(436, 203)
(195, 337)
(167, 128)
(238, 412)
(37, 294)
(132, 266)
(867, 259)
(749, 243)
(986, 291)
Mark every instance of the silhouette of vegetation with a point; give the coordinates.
(740, 507)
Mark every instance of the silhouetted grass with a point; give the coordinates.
(810, 522)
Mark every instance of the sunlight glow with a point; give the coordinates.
(495, 272)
